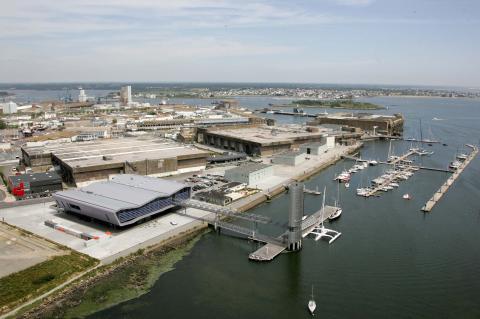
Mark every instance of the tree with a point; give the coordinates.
(3, 125)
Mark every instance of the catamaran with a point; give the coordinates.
(321, 231)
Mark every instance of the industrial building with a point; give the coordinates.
(250, 174)
(318, 148)
(124, 199)
(290, 158)
(259, 140)
(34, 185)
(82, 97)
(213, 197)
(84, 162)
(372, 123)
(9, 107)
(126, 95)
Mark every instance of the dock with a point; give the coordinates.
(445, 186)
(385, 183)
(273, 249)
(277, 112)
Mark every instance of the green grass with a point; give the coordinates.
(338, 104)
(125, 283)
(40, 278)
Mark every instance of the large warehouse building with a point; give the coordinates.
(260, 140)
(378, 123)
(124, 199)
(85, 162)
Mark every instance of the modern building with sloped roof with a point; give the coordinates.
(124, 199)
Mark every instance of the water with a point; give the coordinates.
(391, 261)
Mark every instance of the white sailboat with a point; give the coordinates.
(338, 210)
(312, 305)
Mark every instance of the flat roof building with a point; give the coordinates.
(250, 174)
(31, 184)
(374, 123)
(259, 140)
(291, 158)
(318, 148)
(124, 199)
(84, 162)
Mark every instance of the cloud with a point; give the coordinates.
(356, 3)
(50, 18)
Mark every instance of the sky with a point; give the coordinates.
(408, 42)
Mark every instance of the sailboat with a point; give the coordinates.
(421, 151)
(312, 305)
(338, 210)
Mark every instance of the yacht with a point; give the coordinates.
(393, 184)
(344, 177)
(362, 191)
(373, 162)
(455, 164)
(406, 196)
(462, 156)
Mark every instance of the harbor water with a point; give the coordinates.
(392, 260)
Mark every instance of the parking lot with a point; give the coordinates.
(20, 250)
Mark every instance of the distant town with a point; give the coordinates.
(302, 92)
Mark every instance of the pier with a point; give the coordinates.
(271, 250)
(289, 113)
(444, 188)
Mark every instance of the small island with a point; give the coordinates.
(338, 104)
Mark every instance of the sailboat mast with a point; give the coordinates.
(323, 203)
(421, 133)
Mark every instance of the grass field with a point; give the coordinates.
(29, 283)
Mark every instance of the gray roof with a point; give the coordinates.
(37, 178)
(248, 168)
(291, 154)
(123, 192)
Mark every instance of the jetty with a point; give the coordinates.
(277, 246)
(445, 186)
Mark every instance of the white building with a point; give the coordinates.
(319, 148)
(292, 158)
(9, 108)
(126, 95)
(250, 174)
(82, 97)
